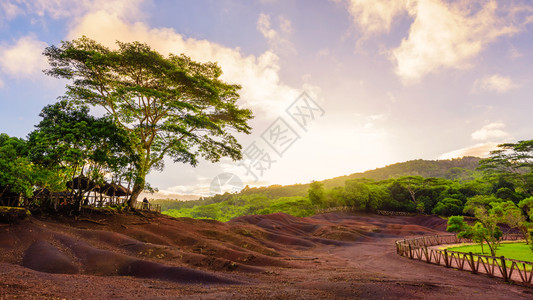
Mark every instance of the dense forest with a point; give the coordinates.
(442, 187)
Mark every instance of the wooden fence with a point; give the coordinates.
(510, 270)
(147, 206)
(395, 213)
(55, 200)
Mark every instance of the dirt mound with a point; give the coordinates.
(432, 222)
(280, 222)
(147, 269)
(42, 256)
(333, 255)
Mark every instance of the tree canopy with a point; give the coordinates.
(71, 141)
(171, 106)
(512, 162)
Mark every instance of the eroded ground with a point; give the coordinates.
(132, 256)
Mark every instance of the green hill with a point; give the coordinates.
(460, 168)
(457, 168)
(442, 186)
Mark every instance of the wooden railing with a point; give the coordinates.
(510, 270)
(394, 213)
(147, 206)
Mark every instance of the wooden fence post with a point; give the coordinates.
(504, 269)
(474, 270)
(446, 258)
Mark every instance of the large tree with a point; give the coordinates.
(171, 105)
(512, 161)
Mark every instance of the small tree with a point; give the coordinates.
(316, 193)
(448, 207)
(458, 225)
(357, 194)
(527, 207)
(477, 233)
(486, 210)
(510, 214)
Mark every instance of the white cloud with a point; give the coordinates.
(490, 131)
(447, 35)
(494, 83)
(478, 150)
(514, 53)
(285, 24)
(1, 83)
(10, 10)
(443, 34)
(67, 8)
(488, 137)
(276, 42)
(258, 75)
(24, 58)
(375, 16)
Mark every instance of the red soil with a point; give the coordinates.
(329, 256)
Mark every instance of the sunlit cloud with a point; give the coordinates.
(443, 35)
(285, 24)
(258, 75)
(490, 131)
(375, 16)
(9, 10)
(478, 150)
(447, 35)
(494, 83)
(57, 9)
(488, 137)
(23, 58)
(515, 53)
(276, 41)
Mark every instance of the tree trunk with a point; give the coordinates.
(139, 181)
(137, 190)
(491, 248)
(138, 187)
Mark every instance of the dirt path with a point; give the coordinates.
(307, 266)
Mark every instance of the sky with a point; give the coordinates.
(336, 87)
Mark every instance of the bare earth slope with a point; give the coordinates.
(150, 256)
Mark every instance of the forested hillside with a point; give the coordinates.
(457, 168)
(390, 187)
(453, 169)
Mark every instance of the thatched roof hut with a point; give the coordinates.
(113, 189)
(8, 197)
(81, 183)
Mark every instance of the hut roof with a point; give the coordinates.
(81, 183)
(113, 189)
(7, 192)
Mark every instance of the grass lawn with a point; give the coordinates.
(518, 251)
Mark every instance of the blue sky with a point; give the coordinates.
(397, 80)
